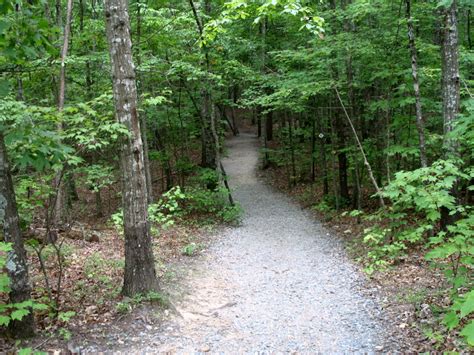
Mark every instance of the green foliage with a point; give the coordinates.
(97, 176)
(128, 304)
(413, 219)
(12, 311)
(190, 249)
(167, 210)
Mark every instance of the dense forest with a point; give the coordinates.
(115, 113)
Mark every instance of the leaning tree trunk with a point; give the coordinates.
(140, 275)
(17, 267)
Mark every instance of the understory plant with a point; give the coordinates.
(419, 199)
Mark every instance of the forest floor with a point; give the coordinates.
(280, 282)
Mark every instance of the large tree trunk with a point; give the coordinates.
(420, 126)
(17, 267)
(140, 275)
(451, 94)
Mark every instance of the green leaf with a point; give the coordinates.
(19, 314)
(4, 320)
(468, 333)
(451, 320)
(25, 351)
(467, 306)
(4, 88)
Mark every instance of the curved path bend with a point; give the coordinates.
(277, 283)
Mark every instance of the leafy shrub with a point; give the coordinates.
(414, 219)
(167, 210)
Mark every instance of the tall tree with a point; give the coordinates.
(17, 268)
(450, 76)
(209, 137)
(451, 93)
(59, 184)
(420, 126)
(140, 275)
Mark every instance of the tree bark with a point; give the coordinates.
(451, 95)
(60, 201)
(420, 126)
(140, 275)
(143, 123)
(209, 135)
(17, 267)
(450, 77)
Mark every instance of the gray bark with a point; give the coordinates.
(420, 126)
(209, 129)
(143, 124)
(140, 275)
(60, 200)
(450, 77)
(17, 267)
(451, 95)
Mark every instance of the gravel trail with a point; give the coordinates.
(278, 283)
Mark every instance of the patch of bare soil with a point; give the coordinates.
(91, 284)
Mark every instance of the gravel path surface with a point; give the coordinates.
(278, 283)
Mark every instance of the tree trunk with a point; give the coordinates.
(143, 124)
(269, 126)
(210, 138)
(17, 267)
(322, 154)
(450, 77)
(140, 275)
(420, 126)
(60, 201)
(361, 148)
(234, 104)
(342, 159)
(292, 150)
(451, 95)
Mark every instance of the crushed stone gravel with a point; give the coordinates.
(278, 283)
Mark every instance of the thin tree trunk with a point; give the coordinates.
(359, 144)
(468, 29)
(139, 275)
(59, 206)
(292, 150)
(17, 267)
(210, 138)
(342, 159)
(313, 149)
(451, 79)
(420, 126)
(234, 103)
(322, 153)
(143, 124)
